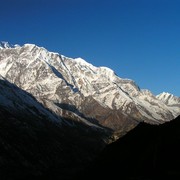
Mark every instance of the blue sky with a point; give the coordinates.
(138, 39)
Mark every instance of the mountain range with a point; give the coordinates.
(69, 107)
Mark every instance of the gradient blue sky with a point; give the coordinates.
(138, 39)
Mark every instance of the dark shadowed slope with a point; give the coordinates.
(35, 146)
(147, 152)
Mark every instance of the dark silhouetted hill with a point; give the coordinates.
(148, 152)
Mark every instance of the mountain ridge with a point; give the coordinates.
(55, 79)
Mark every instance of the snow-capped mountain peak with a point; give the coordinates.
(82, 61)
(7, 45)
(4, 44)
(75, 88)
(168, 98)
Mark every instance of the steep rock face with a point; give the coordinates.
(72, 88)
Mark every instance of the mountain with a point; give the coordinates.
(172, 101)
(148, 152)
(16, 101)
(6, 45)
(75, 89)
(169, 99)
(57, 113)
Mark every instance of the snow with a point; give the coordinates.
(4, 67)
(108, 72)
(57, 77)
(18, 100)
(29, 46)
(153, 113)
(4, 44)
(168, 98)
(84, 63)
